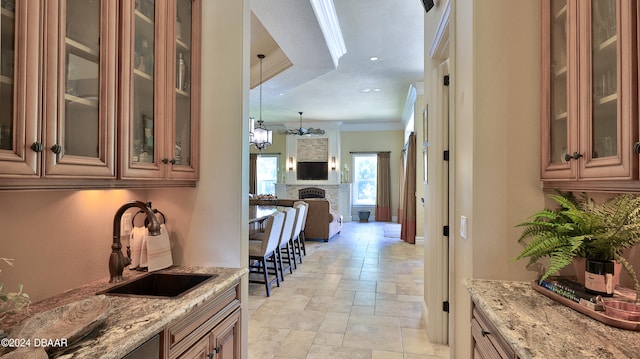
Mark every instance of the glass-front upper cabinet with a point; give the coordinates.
(159, 74)
(7, 60)
(557, 116)
(141, 84)
(19, 68)
(80, 88)
(185, 111)
(590, 115)
(608, 78)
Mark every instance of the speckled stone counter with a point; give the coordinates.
(539, 327)
(132, 321)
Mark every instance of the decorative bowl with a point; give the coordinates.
(622, 310)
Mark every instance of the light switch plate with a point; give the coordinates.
(463, 227)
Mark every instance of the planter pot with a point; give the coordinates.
(364, 216)
(579, 268)
(601, 276)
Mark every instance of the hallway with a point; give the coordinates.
(357, 296)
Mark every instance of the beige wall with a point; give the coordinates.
(59, 239)
(496, 114)
(370, 141)
(279, 145)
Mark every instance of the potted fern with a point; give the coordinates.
(581, 228)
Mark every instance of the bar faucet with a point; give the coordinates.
(117, 261)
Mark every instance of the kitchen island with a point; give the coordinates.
(133, 320)
(535, 326)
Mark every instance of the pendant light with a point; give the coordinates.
(260, 136)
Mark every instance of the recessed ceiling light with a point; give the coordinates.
(374, 58)
(365, 90)
(376, 90)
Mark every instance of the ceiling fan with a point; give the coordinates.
(304, 131)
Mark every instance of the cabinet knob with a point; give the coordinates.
(57, 149)
(636, 147)
(37, 147)
(173, 161)
(210, 355)
(217, 349)
(165, 160)
(484, 332)
(574, 156)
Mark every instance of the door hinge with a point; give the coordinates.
(445, 155)
(445, 306)
(446, 80)
(445, 231)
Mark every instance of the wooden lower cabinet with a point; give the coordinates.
(487, 341)
(225, 338)
(211, 331)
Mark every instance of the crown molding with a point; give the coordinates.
(273, 64)
(325, 12)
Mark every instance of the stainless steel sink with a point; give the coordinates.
(159, 285)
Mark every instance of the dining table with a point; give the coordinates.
(257, 215)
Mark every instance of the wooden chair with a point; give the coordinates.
(262, 251)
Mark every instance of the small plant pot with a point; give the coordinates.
(364, 216)
(599, 277)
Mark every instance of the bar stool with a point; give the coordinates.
(297, 229)
(285, 241)
(301, 239)
(261, 251)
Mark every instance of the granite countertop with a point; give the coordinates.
(538, 327)
(132, 321)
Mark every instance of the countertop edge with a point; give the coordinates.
(535, 326)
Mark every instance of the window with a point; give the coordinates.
(365, 168)
(267, 174)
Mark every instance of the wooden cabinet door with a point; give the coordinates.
(225, 338)
(183, 107)
(608, 93)
(19, 90)
(79, 84)
(559, 86)
(199, 350)
(142, 85)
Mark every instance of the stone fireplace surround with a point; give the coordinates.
(339, 195)
(320, 148)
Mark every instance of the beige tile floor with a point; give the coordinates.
(357, 296)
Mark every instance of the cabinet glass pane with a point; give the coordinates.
(182, 153)
(604, 76)
(143, 132)
(558, 91)
(82, 86)
(7, 45)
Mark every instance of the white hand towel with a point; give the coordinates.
(135, 242)
(159, 250)
(144, 256)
